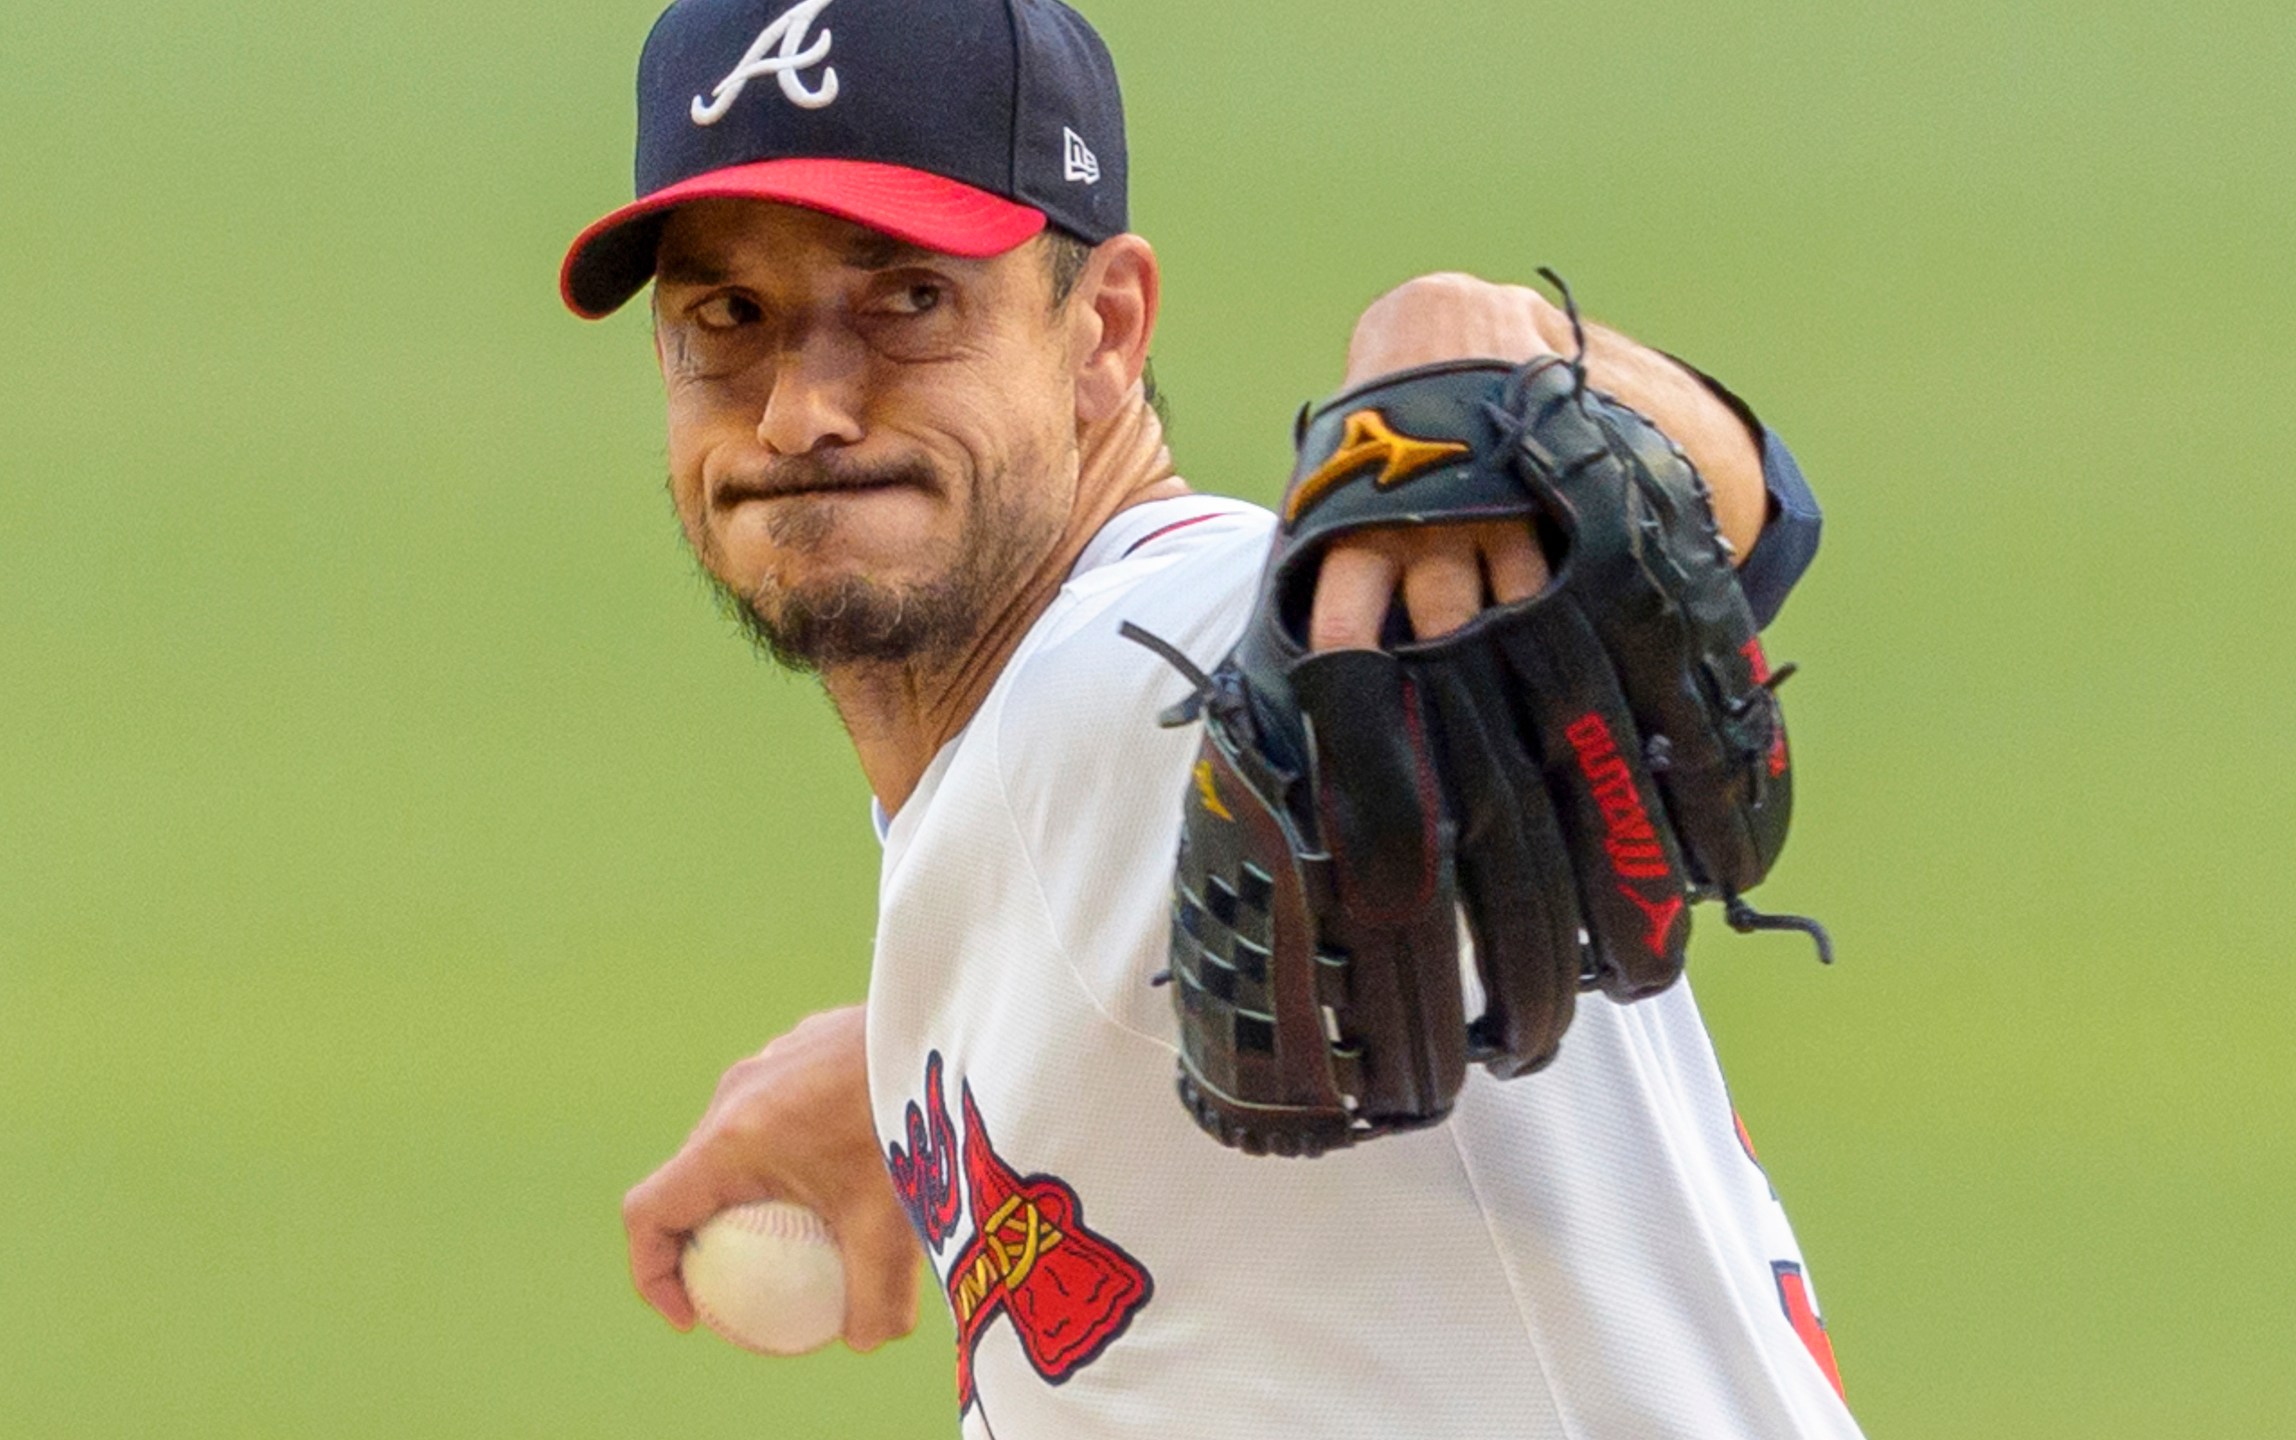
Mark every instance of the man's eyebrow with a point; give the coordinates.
(686, 268)
(883, 252)
(866, 252)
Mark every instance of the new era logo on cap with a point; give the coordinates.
(1078, 161)
(957, 125)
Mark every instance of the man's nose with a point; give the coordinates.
(815, 398)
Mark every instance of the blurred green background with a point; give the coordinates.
(394, 846)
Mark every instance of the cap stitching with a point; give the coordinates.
(1020, 81)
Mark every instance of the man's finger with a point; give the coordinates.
(1353, 589)
(659, 1213)
(1512, 561)
(1442, 583)
(881, 1265)
(654, 1256)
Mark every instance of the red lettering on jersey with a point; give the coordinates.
(925, 1171)
(1794, 1295)
(1068, 1292)
(1746, 1144)
(1745, 1141)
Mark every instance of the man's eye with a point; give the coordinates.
(917, 299)
(727, 312)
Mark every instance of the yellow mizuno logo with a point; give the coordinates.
(1210, 792)
(1368, 441)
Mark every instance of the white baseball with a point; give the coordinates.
(767, 1276)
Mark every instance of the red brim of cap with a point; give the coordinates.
(613, 259)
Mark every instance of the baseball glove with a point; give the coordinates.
(1567, 773)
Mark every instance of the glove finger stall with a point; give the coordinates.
(1681, 637)
(1515, 882)
(1631, 886)
(1379, 813)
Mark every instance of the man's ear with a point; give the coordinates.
(1112, 317)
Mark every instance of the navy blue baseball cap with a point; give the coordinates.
(963, 126)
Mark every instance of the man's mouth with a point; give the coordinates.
(735, 492)
(729, 496)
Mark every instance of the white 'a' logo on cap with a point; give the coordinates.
(781, 51)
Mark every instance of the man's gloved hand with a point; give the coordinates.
(1567, 771)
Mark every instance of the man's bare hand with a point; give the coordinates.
(790, 1123)
(1449, 574)
(1446, 574)
(1453, 317)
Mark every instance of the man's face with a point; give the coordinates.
(871, 446)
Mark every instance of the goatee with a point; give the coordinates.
(855, 619)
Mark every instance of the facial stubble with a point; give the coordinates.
(861, 620)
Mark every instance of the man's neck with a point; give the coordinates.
(899, 716)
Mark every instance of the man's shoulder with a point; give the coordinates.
(1184, 570)
(1079, 698)
(1069, 751)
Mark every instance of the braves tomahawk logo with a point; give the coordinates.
(1068, 1292)
(781, 51)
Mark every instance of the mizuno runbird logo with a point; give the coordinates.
(781, 51)
(1661, 918)
(1366, 441)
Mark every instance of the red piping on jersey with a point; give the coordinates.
(1155, 535)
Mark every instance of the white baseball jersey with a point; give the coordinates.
(1591, 1251)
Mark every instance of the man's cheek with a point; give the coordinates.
(685, 489)
(678, 351)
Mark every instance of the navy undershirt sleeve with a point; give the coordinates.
(1789, 542)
